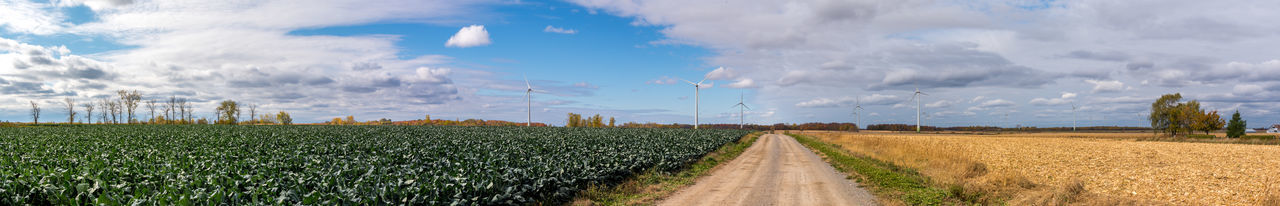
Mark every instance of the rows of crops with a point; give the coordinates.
(328, 165)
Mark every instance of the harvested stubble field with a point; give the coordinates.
(1113, 169)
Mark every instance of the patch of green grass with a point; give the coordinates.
(1248, 139)
(1201, 136)
(1261, 137)
(888, 179)
(652, 185)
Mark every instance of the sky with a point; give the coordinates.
(987, 62)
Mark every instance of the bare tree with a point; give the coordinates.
(106, 110)
(35, 112)
(253, 113)
(182, 110)
(114, 106)
(123, 97)
(190, 111)
(168, 108)
(88, 108)
(151, 106)
(173, 106)
(129, 103)
(71, 109)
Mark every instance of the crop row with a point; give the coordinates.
(166, 165)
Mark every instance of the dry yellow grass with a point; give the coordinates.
(1114, 169)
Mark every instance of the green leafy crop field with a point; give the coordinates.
(167, 165)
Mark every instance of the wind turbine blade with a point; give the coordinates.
(745, 106)
(688, 81)
(526, 82)
(703, 80)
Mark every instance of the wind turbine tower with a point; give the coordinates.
(528, 98)
(741, 106)
(696, 88)
(856, 114)
(917, 97)
(1073, 116)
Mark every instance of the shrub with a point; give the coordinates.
(1262, 137)
(1201, 136)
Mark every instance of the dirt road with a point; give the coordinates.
(776, 170)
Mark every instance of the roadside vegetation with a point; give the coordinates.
(653, 185)
(888, 181)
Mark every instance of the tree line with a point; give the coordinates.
(597, 121)
(123, 109)
(428, 120)
(228, 112)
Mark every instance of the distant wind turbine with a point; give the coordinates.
(857, 116)
(696, 88)
(1073, 116)
(740, 106)
(916, 96)
(528, 97)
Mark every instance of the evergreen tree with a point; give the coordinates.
(1235, 128)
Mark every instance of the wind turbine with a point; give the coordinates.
(857, 116)
(740, 106)
(528, 97)
(916, 97)
(696, 88)
(1073, 116)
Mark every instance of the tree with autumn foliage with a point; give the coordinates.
(1208, 122)
(1172, 116)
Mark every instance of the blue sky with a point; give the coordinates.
(1001, 63)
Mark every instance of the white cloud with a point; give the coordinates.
(1102, 86)
(874, 99)
(769, 114)
(1043, 101)
(553, 29)
(95, 5)
(880, 99)
(997, 49)
(585, 85)
(939, 104)
(180, 48)
(470, 36)
(742, 83)
(663, 80)
(824, 102)
(996, 103)
(1247, 89)
(720, 74)
(1126, 99)
(29, 17)
(977, 99)
(1066, 98)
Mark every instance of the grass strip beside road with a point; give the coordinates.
(887, 181)
(653, 185)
